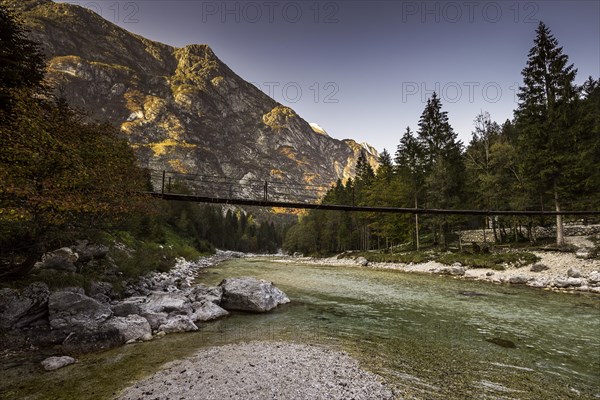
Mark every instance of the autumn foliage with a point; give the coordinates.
(58, 171)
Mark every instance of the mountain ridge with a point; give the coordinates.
(182, 109)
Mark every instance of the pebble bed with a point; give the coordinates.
(262, 370)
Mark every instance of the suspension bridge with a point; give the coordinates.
(175, 186)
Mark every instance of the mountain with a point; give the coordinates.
(182, 109)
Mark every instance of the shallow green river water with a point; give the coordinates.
(429, 337)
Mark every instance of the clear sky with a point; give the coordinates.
(364, 69)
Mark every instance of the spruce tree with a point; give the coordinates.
(442, 163)
(410, 168)
(544, 117)
(436, 136)
(386, 166)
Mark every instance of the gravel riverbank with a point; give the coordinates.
(554, 271)
(262, 370)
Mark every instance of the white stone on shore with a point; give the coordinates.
(539, 282)
(363, 262)
(52, 363)
(569, 282)
(574, 273)
(594, 277)
(518, 279)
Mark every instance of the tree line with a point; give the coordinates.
(546, 158)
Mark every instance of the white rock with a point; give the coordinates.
(518, 279)
(131, 328)
(573, 273)
(594, 277)
(155, 319)
(167, 302)
(569, 282)
(75, 311)
(362, 261)
(251, 294)
(583, 254)
(539, 282)
(52, 363)
(207, 311)
(178, 323)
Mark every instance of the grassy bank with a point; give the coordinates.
(497, 260)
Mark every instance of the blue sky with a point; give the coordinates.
(364, 69)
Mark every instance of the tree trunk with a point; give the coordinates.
(560, 235)
(417, 225)
(485, 222)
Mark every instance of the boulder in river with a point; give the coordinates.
(178, 323)
(132, 327)
(251, 294)
(155, 319)
(176, 303)
(509, 344)
(52, 363)
(202, 293)
(75, 312)
(207, 311)
(128, 306)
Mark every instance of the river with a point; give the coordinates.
(430, 337)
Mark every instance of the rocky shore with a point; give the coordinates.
(262, 370)
(75, 320)
(558, 271)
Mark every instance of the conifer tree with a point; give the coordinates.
(410, 168)
(545, 121)
(442, 162)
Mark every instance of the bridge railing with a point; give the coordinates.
(169, 182)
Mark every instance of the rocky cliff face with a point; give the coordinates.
(182, 109)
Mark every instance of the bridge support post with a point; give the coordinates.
(162, 187)
(266, 190)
